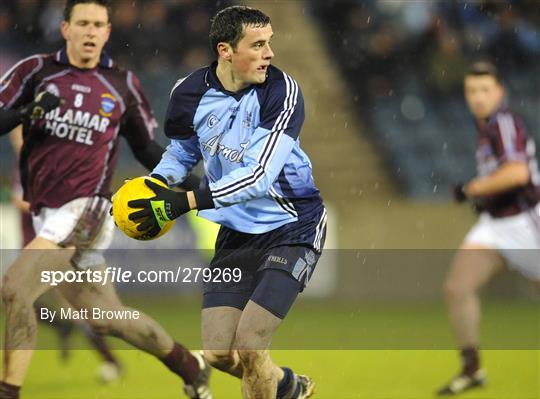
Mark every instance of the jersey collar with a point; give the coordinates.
(211, 80)
(62, 58)
(503, 107)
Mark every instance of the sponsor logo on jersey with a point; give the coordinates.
(75, 125)
(81, 88)
(214, 147)
(53, 89)
(212, 120)
(108, 102)
(248, 120)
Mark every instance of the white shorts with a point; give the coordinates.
(516, 237)
(83, 223)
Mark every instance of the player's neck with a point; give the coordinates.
(228, 79)
(81, 63)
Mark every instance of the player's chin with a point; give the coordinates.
(259, 77)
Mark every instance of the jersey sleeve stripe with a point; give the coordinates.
(149, 121)
(25, 79)
(274, 138)
(110, 148)
(6, 75)
(113, 91)
(508, 132)
(45, 80)
(284, 203)
(268, 142)
(270, 145)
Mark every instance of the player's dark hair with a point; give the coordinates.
(68, 9)
(484, 68)
(228, 25)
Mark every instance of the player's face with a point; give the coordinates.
(86, 33)
(483, 94)
(252, 56)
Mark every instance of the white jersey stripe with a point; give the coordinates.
(508, 132)
(113, 90)
(25, 79)
(50, 77)
(268, 142)
(290, 102)
(149, 121)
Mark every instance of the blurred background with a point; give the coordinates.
(387, 130)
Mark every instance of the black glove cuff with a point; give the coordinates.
(160, 178)
(204, 199)
(191, 183)
(180, 205)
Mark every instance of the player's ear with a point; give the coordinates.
(109, 28)
(64, 27)
(224, 50)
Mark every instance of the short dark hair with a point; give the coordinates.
(228, 24)
(68, 9)
(484, 68)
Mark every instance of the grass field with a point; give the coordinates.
(376, 364)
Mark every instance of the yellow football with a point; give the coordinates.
(131, 190)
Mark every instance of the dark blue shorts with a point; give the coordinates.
(275, 266)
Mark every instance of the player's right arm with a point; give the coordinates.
(184, 152)
(138, 128)
(17, 103)
(178, 160)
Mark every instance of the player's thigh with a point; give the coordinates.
(91, 294)
(218, 325)
(33, 271)
(472, 267)
(255, 328)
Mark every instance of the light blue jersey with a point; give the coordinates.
(258, 178)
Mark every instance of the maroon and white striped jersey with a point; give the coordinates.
(72, 152)
(503, 138)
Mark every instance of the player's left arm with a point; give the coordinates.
(282, 116)
(510, 143)
(138, 126)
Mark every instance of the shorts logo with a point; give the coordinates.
(108, 103)
(53, 89)
(277, 259)
(212, 120)
(310, 257)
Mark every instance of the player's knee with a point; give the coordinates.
(103, 326)
(220, 359)
(252, 338)
(11, 292)
(454, 289)
(251, 358)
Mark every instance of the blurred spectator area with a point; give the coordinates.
(161, 41)
(404, 63)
